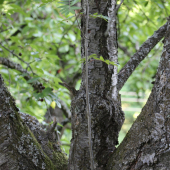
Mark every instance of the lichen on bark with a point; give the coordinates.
(23, 144)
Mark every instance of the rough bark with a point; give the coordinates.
(147, 144)
(106, 114)
(23, 143)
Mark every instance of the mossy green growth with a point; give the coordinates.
(61, 160)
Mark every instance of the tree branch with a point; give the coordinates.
(63, 123)
(12, 65)
(16, 66)
(135, 60)
(72, 90)
(36, 86)
(118, 6)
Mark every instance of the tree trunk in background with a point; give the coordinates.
(106, 114)
(147, 144)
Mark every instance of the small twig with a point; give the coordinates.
(5, 30)
(66, 33)
(48, 110)
(118, 6)
(16, 66)
(148, 19)
(63, 123)
(54, 125)
(165, 7)
(71, 89)
(12, 52)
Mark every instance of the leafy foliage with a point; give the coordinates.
(68, 6)
(94, 56)
(96, 15)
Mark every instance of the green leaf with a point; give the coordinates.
(46, 91)
(33, 80)
(59, 124)
(100, 59)
(96, 15)
(52, 56)
(1, 2)
(58, 103)
(39, 71)
(68, 6)
(146, 3)
(23, 91)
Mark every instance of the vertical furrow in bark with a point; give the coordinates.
(106, 114)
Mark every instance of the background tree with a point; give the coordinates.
(24, 30)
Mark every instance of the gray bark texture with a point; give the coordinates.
(24, 145)
(147, 144)
(106, 114)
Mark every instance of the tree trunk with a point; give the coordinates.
(106, 114)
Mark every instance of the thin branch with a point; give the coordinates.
(163, 3)
(72, 90)
(36, 86)
(65, 109)
(63, 123)
(118, 6)
(59, 44)
(140, 55)
(148, 19)
(12, 52)
(10, 64)
(5, 30)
